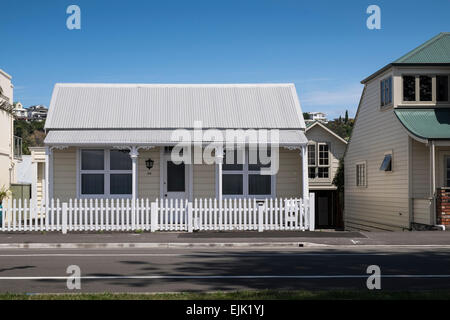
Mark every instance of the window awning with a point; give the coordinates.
(426, 123)
(146, 137)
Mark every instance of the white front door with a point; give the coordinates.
(175, 179)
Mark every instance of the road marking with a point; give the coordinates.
(406, 276)
(298, 254)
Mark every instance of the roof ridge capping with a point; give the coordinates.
(136, 85)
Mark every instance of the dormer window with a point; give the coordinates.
(425, 88)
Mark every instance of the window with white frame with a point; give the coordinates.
(324, 161)
(105, 172)
(361, 176)
(241, 179)
(386, 91)
(319, 161)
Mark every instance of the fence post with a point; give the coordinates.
(311, 211)
(154, 217)
(261, 209)
(64, 217)
(190, 226)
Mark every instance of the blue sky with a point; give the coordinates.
(324, 47)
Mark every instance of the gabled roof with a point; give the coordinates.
(435, 51)
(311, 125)
(171, 106)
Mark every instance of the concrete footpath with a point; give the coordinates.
(269, 239)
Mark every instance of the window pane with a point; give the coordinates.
(230, 161)
(312, 155)
(92, 184)
(311, 173)
(442, 88)
(120, 184)
(409, 88)
(382, 92)
(425, 88)
(259, 185)
(232, 184)
(92, 160)
(120, 160)
(323, 173)
(386, 165)
(390, 90)
(255, 154)
(323, 155)
(175, 177)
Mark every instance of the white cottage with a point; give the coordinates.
(115, 141)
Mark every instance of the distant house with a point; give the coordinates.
(20, 112)
(325, 149)
(397, 164)
(37, 113)
(317, 116)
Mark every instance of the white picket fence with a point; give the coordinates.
(160, 215)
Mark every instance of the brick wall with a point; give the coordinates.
(443, 206)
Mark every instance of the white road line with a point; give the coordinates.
(227, 277)
(296, 254)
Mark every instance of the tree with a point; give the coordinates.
(306, 116)
(32, 134)
(338, 180)
(346, 117)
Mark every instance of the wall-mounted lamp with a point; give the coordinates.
(149, 163)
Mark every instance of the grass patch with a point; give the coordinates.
(242, 295)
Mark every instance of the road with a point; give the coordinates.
(169, 270)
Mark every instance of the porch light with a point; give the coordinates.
(149, 163)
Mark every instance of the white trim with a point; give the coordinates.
(106, 174)
(245, 172)
(326, 129)
(365, 174)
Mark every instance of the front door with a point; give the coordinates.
(175, 179)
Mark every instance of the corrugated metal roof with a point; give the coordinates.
(426, 123)
(435, 50)
(144, 137)
(160, 106)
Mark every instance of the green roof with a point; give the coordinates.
(435, 50)
(429, 123)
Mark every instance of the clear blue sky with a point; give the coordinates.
(323, 47)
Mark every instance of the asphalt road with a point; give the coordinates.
(169, 270)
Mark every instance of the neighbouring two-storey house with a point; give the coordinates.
(325, 150)
(10, 146)
(397, 164)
